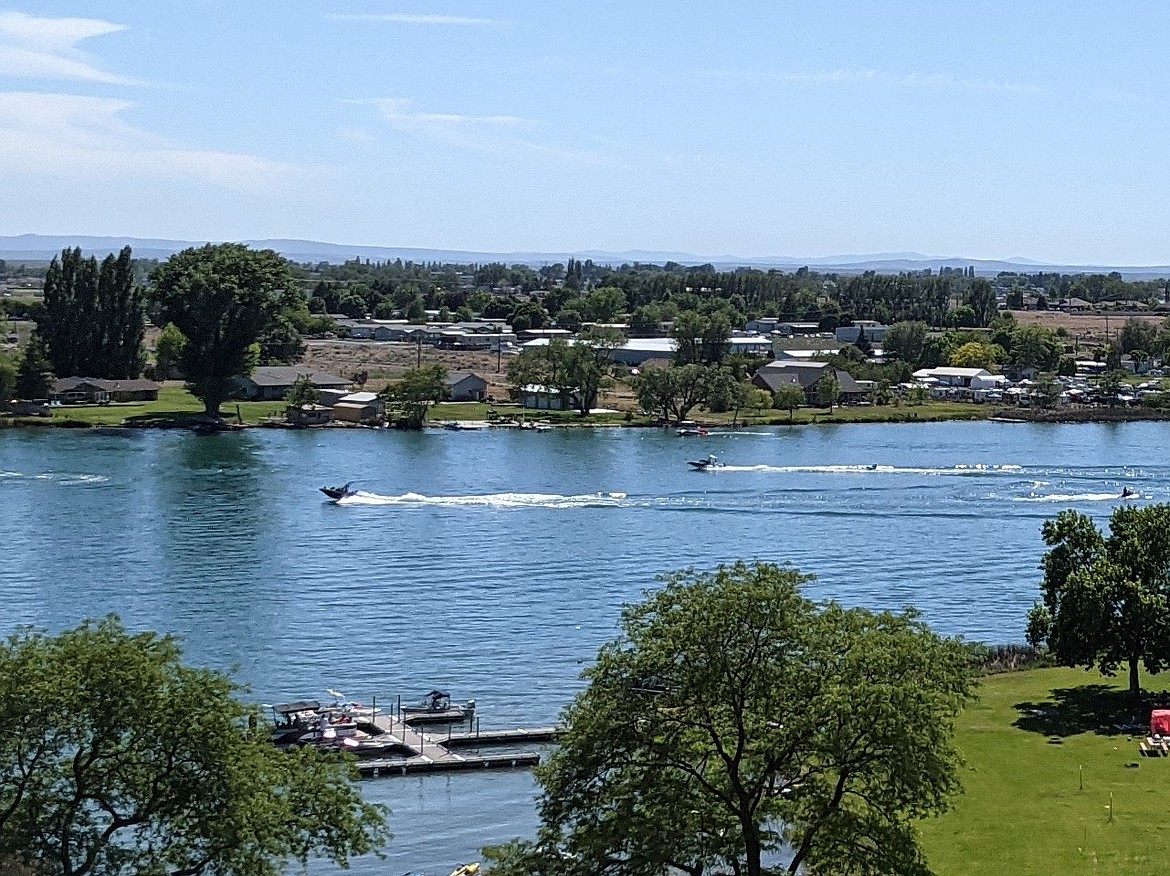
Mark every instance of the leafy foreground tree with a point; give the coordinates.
(1107, 599)
(734, 718)
(222, 298)
(119, 759)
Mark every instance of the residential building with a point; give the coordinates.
(272, 382)
(465, 386)
(807, 375)
(92, 390)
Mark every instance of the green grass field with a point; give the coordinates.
(1025, 810)
(174, 403)
(931, 411)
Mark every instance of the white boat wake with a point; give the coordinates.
(1075, 497)
(964, 470)
(490, 500)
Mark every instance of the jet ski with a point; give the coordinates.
(1127, 493)
(703, 464)
(341, 492)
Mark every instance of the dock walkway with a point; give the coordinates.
(426, 753)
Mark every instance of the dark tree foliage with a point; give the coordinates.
(734, 718)
(223, 298)
(34, 375)
(119, 760)
(1107, 598)
(94, 317)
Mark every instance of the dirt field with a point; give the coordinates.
(1088, 326)
(384, 361)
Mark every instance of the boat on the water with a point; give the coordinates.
(341, 492)
(437, 708)
(342, 725)
(466, 870)
(695, 432)
(703, 464)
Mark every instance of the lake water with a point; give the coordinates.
(495, 563)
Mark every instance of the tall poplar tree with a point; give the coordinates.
(94, 317)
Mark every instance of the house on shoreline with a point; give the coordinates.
(98, 391)
(272, 382)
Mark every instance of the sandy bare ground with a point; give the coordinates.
(384, 361)
(1086, 326)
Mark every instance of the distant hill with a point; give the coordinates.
(38, 247)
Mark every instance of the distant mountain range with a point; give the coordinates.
(36, 247)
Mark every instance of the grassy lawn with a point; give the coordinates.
(930, 411)
(1025, 811)
(174, 403)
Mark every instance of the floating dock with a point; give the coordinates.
(423, 753)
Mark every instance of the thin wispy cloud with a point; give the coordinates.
(412, 18)
(76, 136)
(473, 132)
(945, 82)
(46, 48)
(495, 134)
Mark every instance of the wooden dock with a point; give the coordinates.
(405, 766)
(473, 738)
(424, 753)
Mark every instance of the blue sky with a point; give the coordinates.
(982, 129)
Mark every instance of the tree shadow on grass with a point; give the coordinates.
(1087, 708)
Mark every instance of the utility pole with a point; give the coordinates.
(418, 358)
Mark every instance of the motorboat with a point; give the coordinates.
(466, 870)
(693, 432)
(437, 708)
(703, 464)
(341, 492)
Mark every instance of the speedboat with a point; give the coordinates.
(696, 432)
(437, 708)
(341, 492)
(703, 464)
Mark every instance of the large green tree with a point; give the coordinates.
(671, 392)
(1106, 599)
(119, 759)
(94, 318)
(735, 718)
(223, 298)
(415, 392)
(789, 397)
(7, 380)
(905, 341)
(34, 375)
(577, 370)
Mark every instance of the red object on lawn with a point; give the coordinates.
(1160, 722)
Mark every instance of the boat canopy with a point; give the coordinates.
(299, 706)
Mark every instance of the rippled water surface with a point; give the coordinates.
(494, 563)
